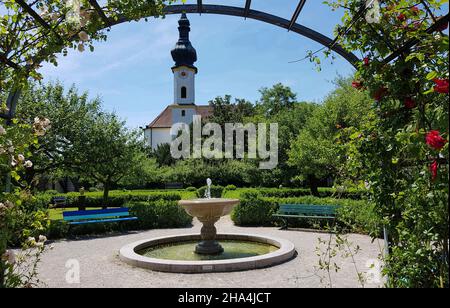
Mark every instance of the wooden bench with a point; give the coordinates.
(174, 185)
(97, 216)
(58, 201)
(287, 211)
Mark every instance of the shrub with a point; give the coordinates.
(191, 188)
(51, 192)
(93, 189)
(216, 191)
(353, 215)
(23, 221)
(230, 187)
(116, 199)
(151, 215)
(254, 212)
(145, 213)
(171, 215)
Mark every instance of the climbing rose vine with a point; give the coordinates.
(401, 154)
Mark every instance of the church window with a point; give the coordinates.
(183, 92)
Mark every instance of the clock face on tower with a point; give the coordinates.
(183, 74)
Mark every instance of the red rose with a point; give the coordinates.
(409, 103)
(366, 61)
(415, 10)
(380, 93)
(401, 17)
(441, 85)
(357, 85)
(435, 140)
(434, 169)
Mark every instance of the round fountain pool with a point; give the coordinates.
(185, 251)
(176, 253)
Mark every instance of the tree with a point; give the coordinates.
(275, 99)
(163, 155)
(224, 111)
(70, 115)
(317, 151)
(107, 151)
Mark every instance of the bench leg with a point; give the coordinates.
(286, 224)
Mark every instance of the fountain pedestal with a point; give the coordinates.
(208, 245)
(208, 212)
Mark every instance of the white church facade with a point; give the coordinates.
(183, 108)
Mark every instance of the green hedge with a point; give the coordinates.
(115, 200)
(353, 215)
(151, 215)
(254, 212)
(295, 192)
(216, 191)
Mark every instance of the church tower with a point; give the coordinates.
(183, 108)
(184, 70)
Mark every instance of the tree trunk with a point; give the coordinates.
(105, 194)
(313, 185)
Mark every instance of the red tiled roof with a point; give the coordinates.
(164, 120)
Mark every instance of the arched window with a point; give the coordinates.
(183, 92)
(183, 113)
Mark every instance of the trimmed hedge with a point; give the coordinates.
(295, 192)
(216, 191)
(353, 215)
(115, 200)
(151, 215)
(254, 212)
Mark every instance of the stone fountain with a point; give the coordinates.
(208, 211)
(200, 253)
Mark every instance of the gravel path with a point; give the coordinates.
(100, 266)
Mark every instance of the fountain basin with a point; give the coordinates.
(282, 252)
(208, 211)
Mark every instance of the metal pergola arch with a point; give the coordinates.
(200, 8)
(247, 12)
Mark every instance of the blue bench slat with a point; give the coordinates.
(101, 220)
(90, 212)
(95, 216)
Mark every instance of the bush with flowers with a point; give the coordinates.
(17, 221)
(401, 153)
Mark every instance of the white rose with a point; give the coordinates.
(9, 256)
(2, 130)
(42, 238)
(83, 36)
(28, 164)
(20, 157)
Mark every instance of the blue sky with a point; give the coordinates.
(131, 71)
